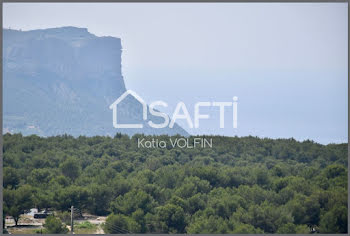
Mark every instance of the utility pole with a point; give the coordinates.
(71, 219)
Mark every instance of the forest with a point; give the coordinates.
(240, 185)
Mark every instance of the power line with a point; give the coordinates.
(118, 231)
(117, 228)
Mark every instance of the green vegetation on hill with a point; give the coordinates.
(241, 185)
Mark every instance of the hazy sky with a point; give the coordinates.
(286, 62)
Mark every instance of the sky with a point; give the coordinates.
(286, 62)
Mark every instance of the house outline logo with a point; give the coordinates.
(114, 105)
(180, 112)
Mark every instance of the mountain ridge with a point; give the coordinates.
(68, 86)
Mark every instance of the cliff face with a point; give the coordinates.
(62, 80)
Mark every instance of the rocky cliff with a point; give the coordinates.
(62, 80)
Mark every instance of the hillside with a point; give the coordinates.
(240, 185)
